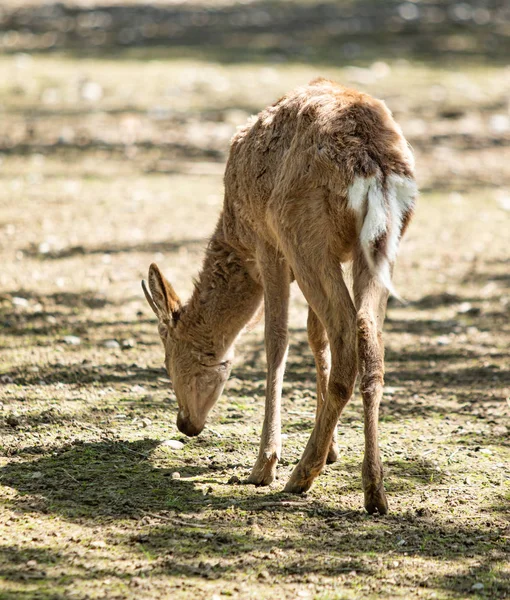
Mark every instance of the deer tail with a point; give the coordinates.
(384, 206)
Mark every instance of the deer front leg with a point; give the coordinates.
(340, 388)
(327, 294)
(275, 276)
(319, 343)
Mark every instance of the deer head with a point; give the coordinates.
(197, 379)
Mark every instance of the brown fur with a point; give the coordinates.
(285, 217)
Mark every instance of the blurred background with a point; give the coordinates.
(98, 99)
(115, 122)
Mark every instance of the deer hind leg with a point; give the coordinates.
(370, 300)
(319, 343)
(327, 294)
(275, 276)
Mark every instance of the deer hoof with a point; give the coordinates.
(298, 487)
(299, 482)
(332, 454)
(264, 471)
(375, 501)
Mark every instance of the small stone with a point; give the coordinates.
(111, 344)
(138, 389)
(91, 91)
(128, 343)
(173, 444)
(145, 422)
(477, 586)
(465, 307)
(234, 480)
(504, 202)
(32, 564)
(37, 475)
(18, 301)
(408, 11)
(500, 430)
(390, 390)
(176, 475)
(6, 379)
(98, 544)
(264, 576)
(72, 340)
(499, 123)
(474, 311)
(485, 451)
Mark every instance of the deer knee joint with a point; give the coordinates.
(340, 391)
(371, 383)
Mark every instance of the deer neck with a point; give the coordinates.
(225, 298)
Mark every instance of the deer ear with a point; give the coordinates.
(162, 297)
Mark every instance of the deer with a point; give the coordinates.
(321, 179)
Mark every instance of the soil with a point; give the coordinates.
(113, 159)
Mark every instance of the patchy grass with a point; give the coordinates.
(97, 182)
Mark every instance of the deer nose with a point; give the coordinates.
(184, 425)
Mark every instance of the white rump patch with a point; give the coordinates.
(366, 197)
(383, 211)
(376, 219)
(401, 192)
(357, 193)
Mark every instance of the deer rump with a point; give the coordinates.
(322, 149)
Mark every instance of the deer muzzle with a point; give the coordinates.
(184, 425)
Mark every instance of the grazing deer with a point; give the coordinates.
(322, 177)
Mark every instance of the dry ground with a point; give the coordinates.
(109, 164)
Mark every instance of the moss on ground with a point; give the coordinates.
(91, 505)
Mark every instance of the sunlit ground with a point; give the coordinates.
(110, 163)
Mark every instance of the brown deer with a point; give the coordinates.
(322, 177)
